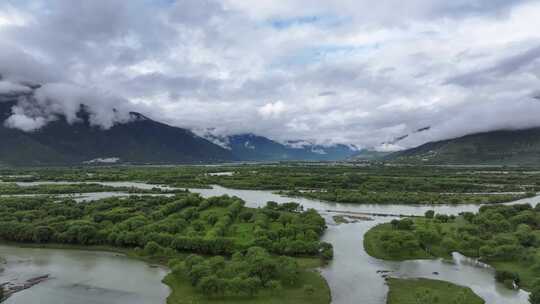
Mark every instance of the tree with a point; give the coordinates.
(405, 224)
(192, 260)
(326, 251)
(449, 244)
(525, 235)
(237, 286)
(427, 238)
(274, 286)
(152, 248)
(272, 205)
(309, 290)
(534, 296)
(43, 234)
(429, 214)
(252, 285)
(211, 285)
(288, 270)
(216, 263)
(198, 272)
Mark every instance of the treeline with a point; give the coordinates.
(185, 222)
(291, 176)
(180, 176)
(55, 189)
(381, 178)
(389, 197)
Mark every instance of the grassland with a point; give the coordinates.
(424, 291)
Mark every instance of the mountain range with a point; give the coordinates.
(501, 147)
(141, 140)
(252, 147)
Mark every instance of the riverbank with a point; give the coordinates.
(510, 249)
(407, 198)
(374, 247)
(352, 274)
(413, 291)
(181, 290)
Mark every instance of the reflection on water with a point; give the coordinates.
(82, 277)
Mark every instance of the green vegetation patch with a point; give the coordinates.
(425, 291)
(251, 277)
(384, 243)
(246, 254)
(373, 184)
(506, 237)
(55, 189)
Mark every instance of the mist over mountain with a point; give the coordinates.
(325, 71)
(39, 127)
(253, 147)
(78, 139)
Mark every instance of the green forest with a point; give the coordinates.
(373, 184)
(219, 250)
(253, 249)
(506, 237)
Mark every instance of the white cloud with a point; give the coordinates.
(272, 109)
(386, 147)
(51, 100)
(19, 120)
(334, 71)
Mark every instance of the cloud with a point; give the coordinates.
(52, 100)
(387, 147)
(7, 87)
(19, 120)
(272, 109)
(334, 71)
(506, 66)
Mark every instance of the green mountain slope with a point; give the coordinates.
(504, 147)
(141, 140)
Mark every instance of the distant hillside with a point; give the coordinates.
(259, 148)
(511, 147)
(141, 140)
(369, 155)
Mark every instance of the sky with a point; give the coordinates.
(343, 71)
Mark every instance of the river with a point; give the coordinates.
(83, 277)
(353, 275)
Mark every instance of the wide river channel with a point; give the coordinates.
(353, 276)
